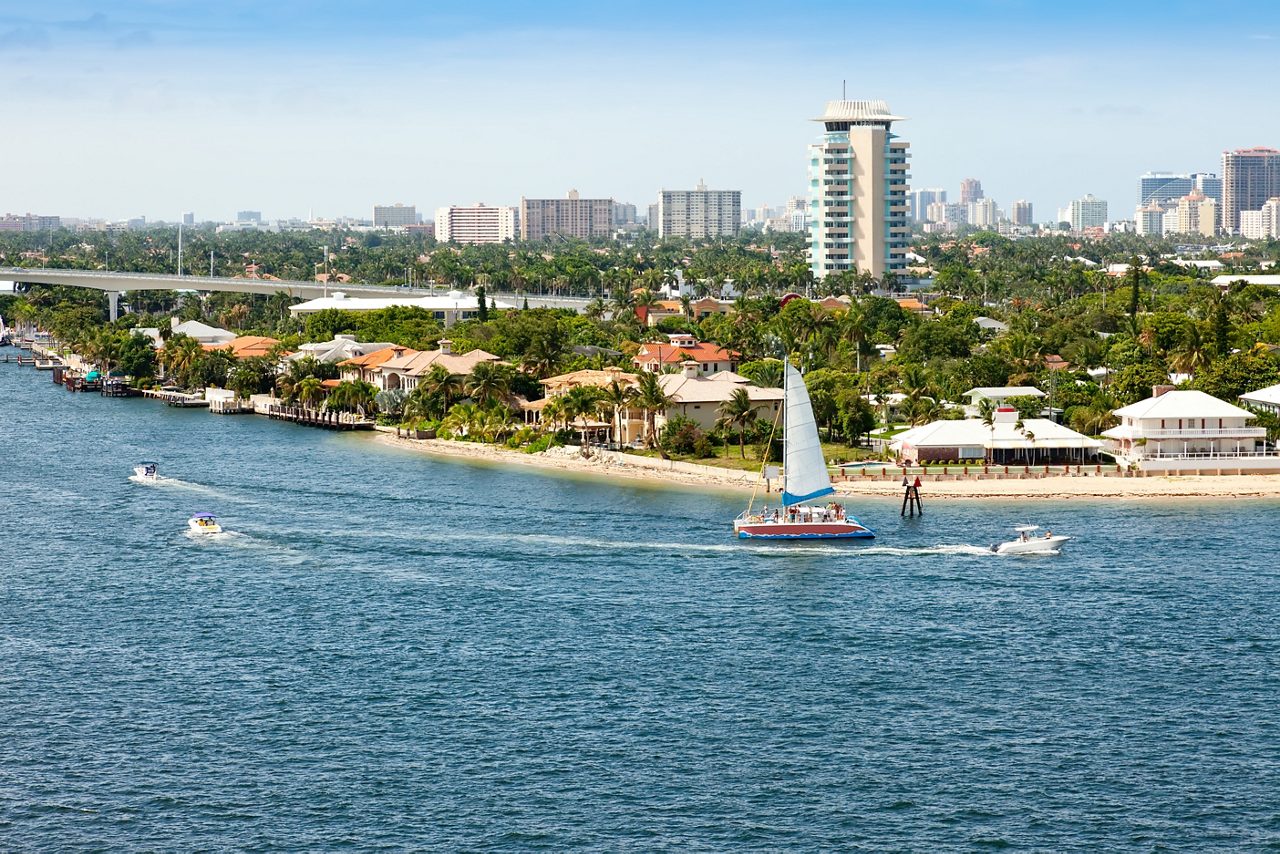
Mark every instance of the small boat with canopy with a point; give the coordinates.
(146, 472)
(804, 480)
(1031, 543)
(204, 523)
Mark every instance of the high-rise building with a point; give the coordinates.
(476, 223)
(572, 216)
(1149, 220)
(858, 191)
(651, 219)
(970, 190)
(1088, 212)
(1250, 176)
(1196, 214)
(624, 213)
(1163, 188)
(952, 214)
(699, 213)
(1262, 223)
(983, 213)
(188, 218)
(394, 216)
(1020, 213)
(248, 216)
(918, 202)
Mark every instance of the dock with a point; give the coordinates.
(177, 398)
(325, 419)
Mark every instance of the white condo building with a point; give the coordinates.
(1088, 212)
(1261, 224)
(983, 213)
(1189, 432)
(699, 213)
(858, 191)
(477, 223)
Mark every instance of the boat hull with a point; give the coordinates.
(844, 530)
(196, 528)
(1033, 546)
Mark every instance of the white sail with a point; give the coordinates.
(804, 470)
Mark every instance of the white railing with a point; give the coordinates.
(1202, 433)
(1211, 456)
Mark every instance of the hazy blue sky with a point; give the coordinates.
(155, 107)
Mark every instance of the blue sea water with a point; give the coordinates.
(392, 652)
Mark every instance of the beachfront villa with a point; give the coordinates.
(246, 346)
(699, 397)
(681, 348)
(1263, 400)
(1009, 440)
(368, 368)
(630, 422)
(998, 395)
(405, 370)
(202, 332)
(1189, 432)
(447, 308)
(341, 348)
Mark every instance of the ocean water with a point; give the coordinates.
(392, 652)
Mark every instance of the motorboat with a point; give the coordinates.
(204, 523)
(1029, 542)
(145, 472)
(804, 479)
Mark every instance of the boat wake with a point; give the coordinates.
(178, 483)
(782, 549)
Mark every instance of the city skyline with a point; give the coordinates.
(320, 108)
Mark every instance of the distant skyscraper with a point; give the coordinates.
(699, 213)
(1196, 214)
(1088, 212)
(624, 213)
(1163, 188)
(651, 219)
(188, 218)
(983, 213)
(477, 223)
(1250, 176)
(249, 216)
(858, 191)
(970, 190)
(394, 216)
(1150, 220)
(1262, 223)
(1020, 213)
(572, 216)
(919, 201)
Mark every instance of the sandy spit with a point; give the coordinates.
(711, 478)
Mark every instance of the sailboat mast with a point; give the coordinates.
(786, 361)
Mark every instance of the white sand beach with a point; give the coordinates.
(656, 472)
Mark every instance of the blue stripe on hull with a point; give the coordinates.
(852, 535)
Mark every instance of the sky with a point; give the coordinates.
(156, 107)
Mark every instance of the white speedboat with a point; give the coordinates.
(146, 472)
(1029, 542)
(204, 523)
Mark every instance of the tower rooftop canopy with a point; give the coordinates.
(858, 112)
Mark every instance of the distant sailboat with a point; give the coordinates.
(804, 479)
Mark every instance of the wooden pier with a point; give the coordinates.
(177, 398)
(326, 419)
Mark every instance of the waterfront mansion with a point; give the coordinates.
(1189, 432)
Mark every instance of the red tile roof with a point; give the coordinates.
(670, 354)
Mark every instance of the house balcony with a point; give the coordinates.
(1192, 434)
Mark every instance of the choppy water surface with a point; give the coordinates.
(390, 651)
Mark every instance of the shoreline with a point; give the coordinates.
(656, 473)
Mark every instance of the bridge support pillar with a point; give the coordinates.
(113, 302)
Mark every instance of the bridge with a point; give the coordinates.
(114, 284)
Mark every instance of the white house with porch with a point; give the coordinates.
(998, 395)
(1189, 432)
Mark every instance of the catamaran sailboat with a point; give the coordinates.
(804, 479)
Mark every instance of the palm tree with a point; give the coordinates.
(987, 412)
(853, 328)
(652, 399)
(180, 355)
(463, 419)
(1193, 354)
(442, 384)
(618, 396)
(310, 391)
(739, 411)
(353, 396)
(488, 382)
